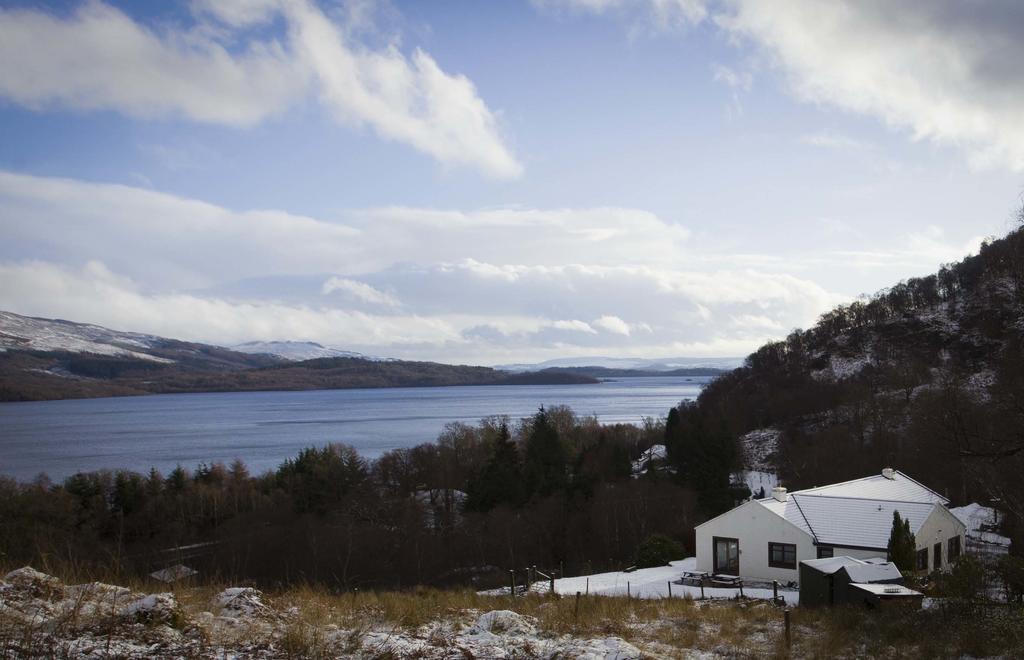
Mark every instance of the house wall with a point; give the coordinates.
(754, 527)
(940, 525)
(859, 553)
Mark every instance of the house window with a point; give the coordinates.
(782, 555)
(954, 548)
(938, 555)
(922, 559)
(825, 551)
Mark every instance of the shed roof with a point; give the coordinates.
(888, 590)
(860, 571)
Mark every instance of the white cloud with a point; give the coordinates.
(99, 58)
(736, 79)
(94, 294)
(487, 285)
(944, 70)
(578, 326)
(359, 290)
(613, 324)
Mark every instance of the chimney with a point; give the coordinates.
(889, 473)
(779, 493)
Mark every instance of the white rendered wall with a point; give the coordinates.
(754, 526)
(940, 525)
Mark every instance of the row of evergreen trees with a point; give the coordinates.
(700, 455)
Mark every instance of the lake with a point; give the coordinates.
(264, 428)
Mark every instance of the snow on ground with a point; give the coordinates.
(295, 350)
(42, 617)
(653, 583)
(756, 480)
(841, 367)
(759, 448)
(980, 522)
(27, 333)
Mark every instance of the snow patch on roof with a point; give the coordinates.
(901, 489)
(846, 521)
(859, 570)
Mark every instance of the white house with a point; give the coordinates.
(768, 538)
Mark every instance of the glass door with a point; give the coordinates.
(727, 556)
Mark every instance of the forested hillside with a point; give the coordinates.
(554, 490)
(56, 359)
(927, 376)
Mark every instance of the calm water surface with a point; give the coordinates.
(264, 428)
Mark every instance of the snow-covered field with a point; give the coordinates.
(653, 583)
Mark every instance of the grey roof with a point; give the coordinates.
(901, 488)
(848, 521)
(859, 570)
(888, 590)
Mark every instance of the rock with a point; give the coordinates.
(97, 599)
(162, 608)
(241, 602)
(504, 622)
(31, 582)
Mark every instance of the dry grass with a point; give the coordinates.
(309, 622)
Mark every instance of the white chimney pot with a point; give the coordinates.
(889, 473)
(779, 493)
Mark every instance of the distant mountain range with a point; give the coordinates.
(57, 359)
(632, 364)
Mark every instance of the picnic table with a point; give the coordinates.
(694, 577)
(725, 580)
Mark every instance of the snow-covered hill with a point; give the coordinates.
(34, 334)
(295, 350)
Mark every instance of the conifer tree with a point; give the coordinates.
(901, 543)
(544, 469)
(501, 479)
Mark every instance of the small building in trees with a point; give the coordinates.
(768, 538)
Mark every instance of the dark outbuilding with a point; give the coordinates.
(829, 581)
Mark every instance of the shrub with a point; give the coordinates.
(967, 579)
(658, 550)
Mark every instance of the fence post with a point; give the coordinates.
(533, 574)
(628, 594)
(789, 639)
(588, 586)
(775, 591)
(576, 612)
(702, 587)
(741, 588)
(670, 588)
(552, 585)
(512, 582)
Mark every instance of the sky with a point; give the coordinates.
(497, 182)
